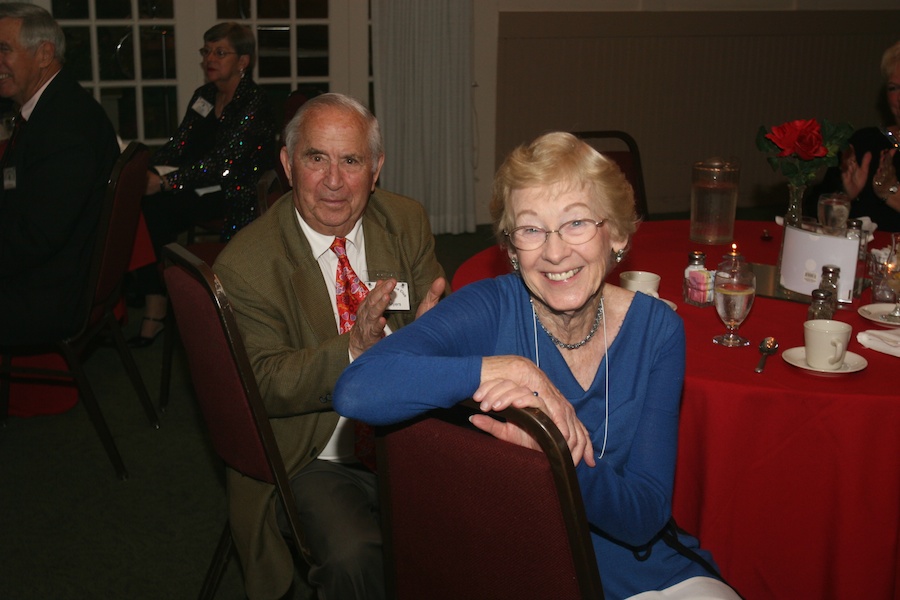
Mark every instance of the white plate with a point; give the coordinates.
(873, 312)
(797, 357)
(670, 304)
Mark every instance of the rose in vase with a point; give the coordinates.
(799, 149)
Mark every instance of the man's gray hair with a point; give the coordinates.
(37, 27)
(340, 101)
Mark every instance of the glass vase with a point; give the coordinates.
(794, 214)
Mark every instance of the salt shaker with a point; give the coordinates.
(698, 288)
(820, 308)
(855, 232)
(829, 281)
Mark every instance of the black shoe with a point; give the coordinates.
(141, 341)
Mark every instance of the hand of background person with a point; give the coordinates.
(885, 176)
(153, 181)
(853, 174)
(431, 298)
(516, 381)
(370, 320)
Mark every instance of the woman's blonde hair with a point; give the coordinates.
(560, 158)
(889, 60)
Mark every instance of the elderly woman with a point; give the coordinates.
(209, 168)
(556, 335)
(868, 172)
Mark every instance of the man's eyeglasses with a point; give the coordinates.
(575, 232)
(219, 52)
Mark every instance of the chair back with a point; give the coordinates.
(269, 188)
(466, 515)
(223, 379)
(623, 149)
(117, 228)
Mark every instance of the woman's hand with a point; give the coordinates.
(516, 381)
(155, 183)
(853, 174)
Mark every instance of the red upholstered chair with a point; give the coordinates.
(226, 391)
(466, 515)
(622, 148)
(112, 253)
(490, 262)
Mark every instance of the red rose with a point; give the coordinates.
(803, 138)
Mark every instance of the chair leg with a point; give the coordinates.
(165, 378)
(93, 411)
(5, 367)
(131, 368)
(224, 549)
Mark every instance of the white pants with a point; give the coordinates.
(695, 588)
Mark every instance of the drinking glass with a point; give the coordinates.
(833, 212)
(892, 277)
(734, 294)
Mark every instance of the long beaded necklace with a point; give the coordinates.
(597, 318)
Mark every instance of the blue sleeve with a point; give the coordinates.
(434, 362)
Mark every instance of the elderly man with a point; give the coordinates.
(55, 170)
(286, 275)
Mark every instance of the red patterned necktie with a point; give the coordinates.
(350, 292)
(18, 126)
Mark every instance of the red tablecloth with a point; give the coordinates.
(31, 399)
(790, 478)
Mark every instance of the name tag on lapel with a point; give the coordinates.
(9, 178)
(399, 297)
(202, 107)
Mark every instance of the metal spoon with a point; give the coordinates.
(767, 347)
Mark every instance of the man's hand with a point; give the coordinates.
(370, 320)
(431, 298)
(516, 381)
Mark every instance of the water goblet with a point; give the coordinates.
(734, 294)
(892, 277)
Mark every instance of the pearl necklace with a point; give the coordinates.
(597, 318)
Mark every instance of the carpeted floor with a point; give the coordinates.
(69, 530)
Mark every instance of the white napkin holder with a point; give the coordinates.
(805, 252)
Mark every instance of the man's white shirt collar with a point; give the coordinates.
(28, 107)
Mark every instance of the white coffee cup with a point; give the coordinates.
(826, 343)
(640, 281)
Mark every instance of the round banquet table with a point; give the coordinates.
(790, 478)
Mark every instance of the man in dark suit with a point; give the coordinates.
(280, 275)
(55, 170)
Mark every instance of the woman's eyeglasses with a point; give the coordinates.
(574, 232)
(219, 52)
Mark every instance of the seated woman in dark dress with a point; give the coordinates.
(868, 172)
(209, 168)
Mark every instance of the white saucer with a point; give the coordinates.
(873, 312)
(670, 304)
(797, 357)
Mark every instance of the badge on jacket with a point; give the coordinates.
(9, 178)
